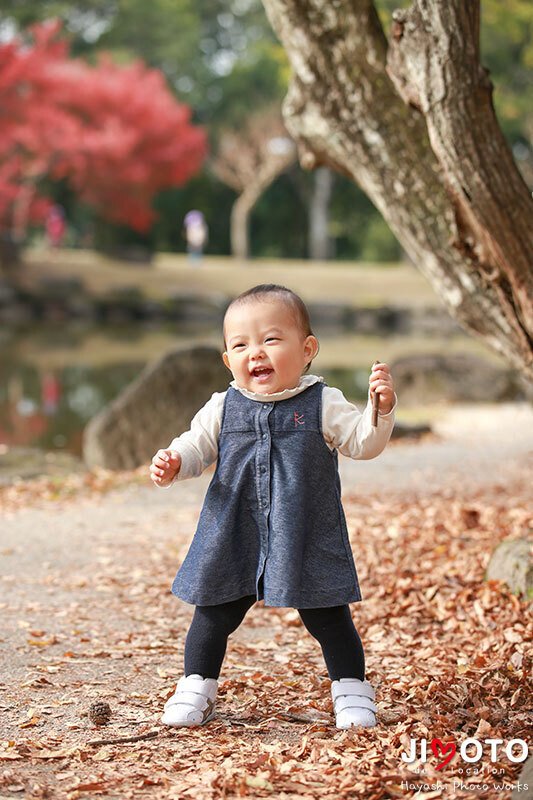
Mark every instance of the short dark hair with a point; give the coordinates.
(294, 303)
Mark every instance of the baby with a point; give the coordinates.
(272, 526)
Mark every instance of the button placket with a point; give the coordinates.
(264, 477)
(263, 457)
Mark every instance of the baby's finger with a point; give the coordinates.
(175, 458)
(385, 392)
(383, 381)
(382, 368)
(382, 372)
(157, 471)
(160, 461)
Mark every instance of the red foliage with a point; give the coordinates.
(115, 133)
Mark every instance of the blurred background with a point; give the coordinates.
(146, 178)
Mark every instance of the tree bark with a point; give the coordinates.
(458, 206)
(249, 160)
(239, 232)
(319, 241)
(240, 213)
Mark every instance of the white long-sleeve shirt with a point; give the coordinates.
(344, 427)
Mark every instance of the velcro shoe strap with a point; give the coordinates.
(206, 688)
(352, 687)
(354, 701)
(197, 701)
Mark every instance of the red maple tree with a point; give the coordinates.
(115, 133)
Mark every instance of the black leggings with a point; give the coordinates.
(205, 645)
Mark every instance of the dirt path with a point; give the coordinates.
(87, 614)
(471, 446)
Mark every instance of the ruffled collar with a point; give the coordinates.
(304, 383)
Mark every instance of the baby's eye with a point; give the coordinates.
(238, 345)
(272, 339)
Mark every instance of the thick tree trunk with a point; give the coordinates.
(319, 241)
(459, 208)
(492, 204)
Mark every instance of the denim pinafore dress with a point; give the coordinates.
(272, 523)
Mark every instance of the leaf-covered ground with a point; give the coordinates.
(87, 614)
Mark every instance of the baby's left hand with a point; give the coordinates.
(381, 382)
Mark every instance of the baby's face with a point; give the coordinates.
(266, 350)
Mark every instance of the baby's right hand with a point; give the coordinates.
(164, 467)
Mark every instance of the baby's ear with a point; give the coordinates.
(313, 346)
(225, 359)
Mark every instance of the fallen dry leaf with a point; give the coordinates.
(445, 651)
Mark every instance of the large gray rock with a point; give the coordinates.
(524, 783)
(153, 409)
(453, 377)
(511, 562)
(409, 430)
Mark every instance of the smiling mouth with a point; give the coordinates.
(261, 372)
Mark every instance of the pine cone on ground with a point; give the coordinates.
(99, 713)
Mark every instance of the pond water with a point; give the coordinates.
(54, 379)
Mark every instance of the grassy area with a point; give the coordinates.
(353, 283)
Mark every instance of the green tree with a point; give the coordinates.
(222, 58)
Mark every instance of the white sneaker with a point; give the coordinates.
(193, 702)
(353, 703)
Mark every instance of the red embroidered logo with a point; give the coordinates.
(298, 419)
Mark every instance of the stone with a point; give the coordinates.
(60, 288)
(408, 430)
(327, 316)
(524, 782)
(157, 406)
(453, 377)
(207, 308)
(511, 562)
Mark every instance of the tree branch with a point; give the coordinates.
(343, 110)
(434, 56)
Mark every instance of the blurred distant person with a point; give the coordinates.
(55, 226)
(196, 233)
(50, 393)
